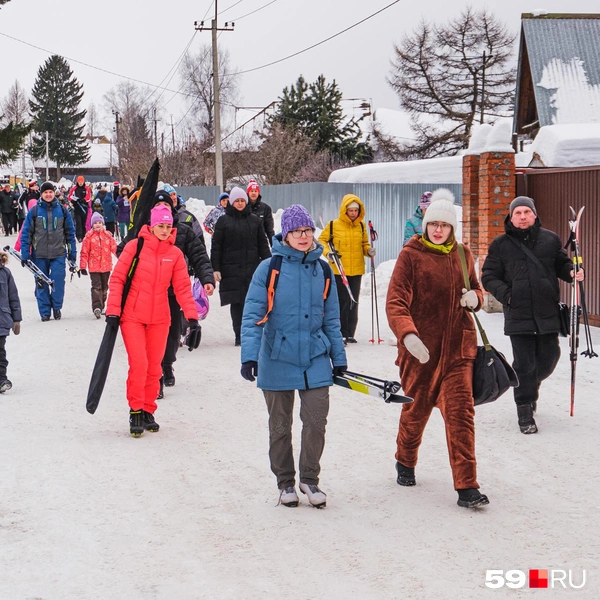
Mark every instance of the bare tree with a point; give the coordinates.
(92, 120)
(283, 153)
(15, 107)
(130, 105)
(196, 74)
(448, 77)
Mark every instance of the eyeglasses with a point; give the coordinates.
(298, 233)
(436, 225)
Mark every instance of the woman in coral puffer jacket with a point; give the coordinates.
(146, 318)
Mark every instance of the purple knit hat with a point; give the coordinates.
(425, 200)
(294, 217)
(97, 217)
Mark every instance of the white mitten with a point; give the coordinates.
(416, 347)
(469, 299)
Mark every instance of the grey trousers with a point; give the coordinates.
(314, 407)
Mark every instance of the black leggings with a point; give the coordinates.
(348, 310)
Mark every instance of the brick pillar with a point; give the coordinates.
(497, 188)
(470, 202)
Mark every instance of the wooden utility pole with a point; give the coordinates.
(217, 101)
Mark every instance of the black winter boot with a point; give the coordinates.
(136, 426)
(161, 391)
(168, 376)
(526, 420)
(471, 497)
(149, 423)
(406, 475)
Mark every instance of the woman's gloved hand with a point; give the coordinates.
(416, 347)
(469, 299)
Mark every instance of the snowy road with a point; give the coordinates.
(87, 512)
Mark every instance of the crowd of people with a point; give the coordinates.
(293, 312)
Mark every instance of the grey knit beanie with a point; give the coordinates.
(522, 201)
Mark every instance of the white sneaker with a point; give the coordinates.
(315, 496)
(288, 497)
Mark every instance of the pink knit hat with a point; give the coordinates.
(160, 214)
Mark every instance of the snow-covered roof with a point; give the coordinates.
(568, 145)
(562, 51)
(100, 158)
(432, 170)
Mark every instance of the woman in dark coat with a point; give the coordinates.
(238, 245)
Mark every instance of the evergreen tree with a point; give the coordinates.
(54, 108)
(315, 111)
(11, 141)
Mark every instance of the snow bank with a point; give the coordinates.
(568, 145)
(478, 139)
(499, 137)
(433, 170)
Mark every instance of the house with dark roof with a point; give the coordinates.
(558, 79)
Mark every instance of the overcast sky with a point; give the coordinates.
(144, 39)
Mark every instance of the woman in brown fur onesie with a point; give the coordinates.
(427, 309)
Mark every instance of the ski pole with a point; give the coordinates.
(575, 308)
(374, 236)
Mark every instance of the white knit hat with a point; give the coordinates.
(441, 208)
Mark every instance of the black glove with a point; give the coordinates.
(192, 340)
(249, 370)
(339, 371)
(83, 271)
(23, 262)
(113, 321)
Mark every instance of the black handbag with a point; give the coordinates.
(492, 375)
(564, 315)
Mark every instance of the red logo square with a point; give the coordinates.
(538, 578)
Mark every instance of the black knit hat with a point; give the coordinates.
(46, 186)
(162, 196)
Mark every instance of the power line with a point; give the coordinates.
(321, 42)
(226, 9)
(79, 62)
(254, 11)
(174, 69)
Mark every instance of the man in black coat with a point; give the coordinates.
(261, 210)
(521, 272)
(238, 245)
(6, 206)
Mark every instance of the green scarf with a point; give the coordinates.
(445, 248)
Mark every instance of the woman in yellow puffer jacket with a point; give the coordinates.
(351, 241)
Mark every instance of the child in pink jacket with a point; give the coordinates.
(96, 257)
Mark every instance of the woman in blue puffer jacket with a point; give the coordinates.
(294, 344)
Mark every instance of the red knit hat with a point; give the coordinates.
(253, 186)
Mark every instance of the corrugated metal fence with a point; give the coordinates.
(554, 191)
(388, 205)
